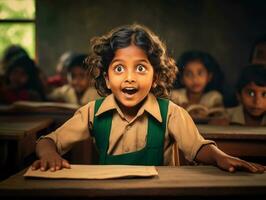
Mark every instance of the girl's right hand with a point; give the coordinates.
(50, 161)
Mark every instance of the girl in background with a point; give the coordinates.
(200, 78)
(22, 81)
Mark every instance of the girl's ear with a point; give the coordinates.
(107, 80)
(155, 79)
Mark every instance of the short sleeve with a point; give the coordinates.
(74, 130)
(184, 131)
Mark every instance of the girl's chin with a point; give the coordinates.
(129, 103)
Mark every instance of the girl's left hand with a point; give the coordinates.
(232, 164)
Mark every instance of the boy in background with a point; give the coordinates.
(251, 93)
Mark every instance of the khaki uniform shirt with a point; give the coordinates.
(236, 116)
(68, 95)
(129, 136)
(209, 99)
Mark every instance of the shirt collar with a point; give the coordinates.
(150, 105)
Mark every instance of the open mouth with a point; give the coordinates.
(129, 91)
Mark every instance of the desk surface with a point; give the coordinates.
(186, 181)
(19, 127)
(232, 132)
(240, 141)
(59, 115)
(45, 108)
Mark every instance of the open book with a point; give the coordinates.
(95, 172)
(201, 111)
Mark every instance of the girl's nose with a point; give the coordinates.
(130, 77)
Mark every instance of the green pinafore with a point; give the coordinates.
(151, 154)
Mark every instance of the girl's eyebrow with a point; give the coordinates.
(116, 60)
(137, 60)
(143, 60)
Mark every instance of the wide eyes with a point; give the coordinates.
(121, 68)
(141, 68)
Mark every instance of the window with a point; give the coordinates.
(17, 24)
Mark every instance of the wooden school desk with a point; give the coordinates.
(240, 141)
(187, 182)
(58, 114)
(248, 143)
(19, 134)
(80, 153)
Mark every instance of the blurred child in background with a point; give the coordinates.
(200, 78)
(80, 89)
(12, 53)
(60, 78)
(22, 81)
(251, 93)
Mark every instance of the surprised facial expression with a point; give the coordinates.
(130, 76)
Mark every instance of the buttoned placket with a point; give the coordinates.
(127, 149)
(127, 127)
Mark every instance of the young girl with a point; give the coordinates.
(132, 125)
(80, 89)
(201, 78)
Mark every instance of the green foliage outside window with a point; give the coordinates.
(17, 9)
(17, 24)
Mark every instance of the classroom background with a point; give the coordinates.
(47, 29)
(225, 29)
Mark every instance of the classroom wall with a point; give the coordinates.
(226, 29)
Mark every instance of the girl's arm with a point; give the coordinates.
(74, 130)
(210, 154)
(48, 156)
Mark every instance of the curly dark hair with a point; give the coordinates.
(103, 50)
(210, 64)
(252, 73)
